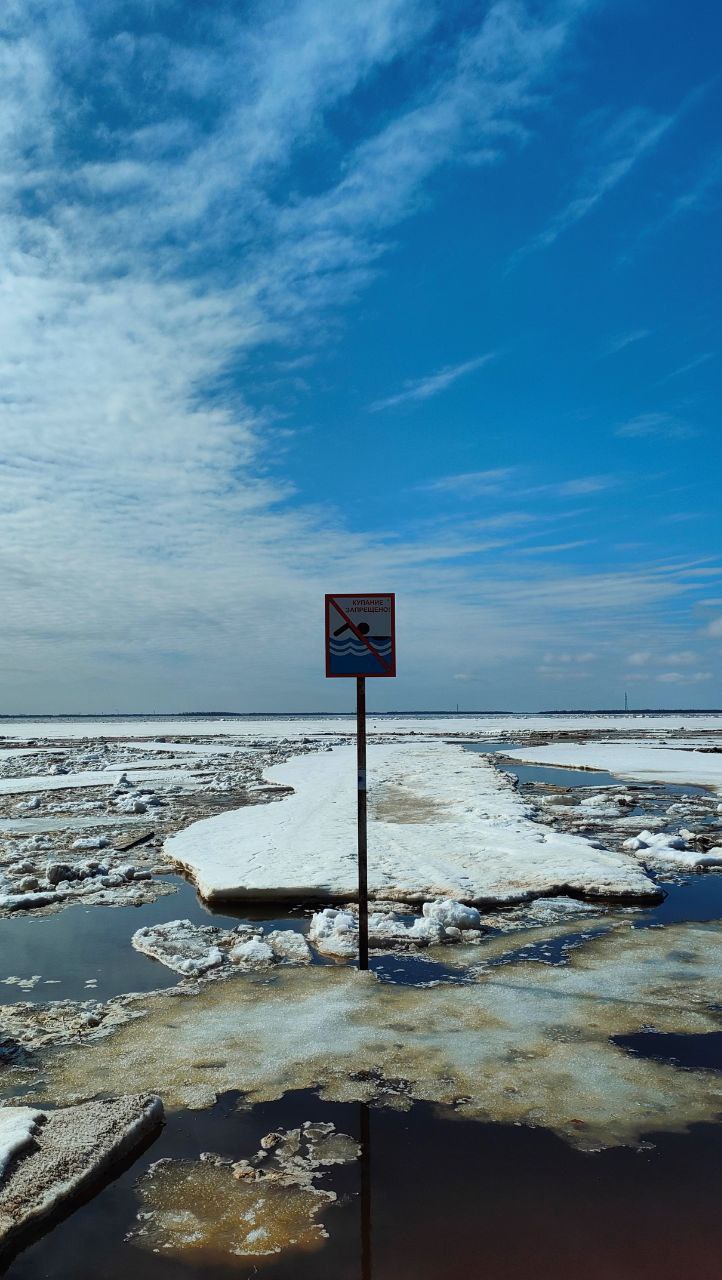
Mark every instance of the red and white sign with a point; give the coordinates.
(360, 635)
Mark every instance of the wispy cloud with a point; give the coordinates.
(662, 425)
(687, 368)
(623, 340)
(683, 677)
(639, 659)
(468, 484)
(551, 549)
(696, 198)
(433, 384)
(577, 487)
(622, 145)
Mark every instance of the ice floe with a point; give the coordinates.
(192, 949)
(335, 933)
(640, 761)
(665, 850)
(68, 1150)
(443, 823)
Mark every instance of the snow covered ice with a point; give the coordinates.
(443, 823)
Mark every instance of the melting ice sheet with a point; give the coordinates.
(523, 1042)
(443, 822)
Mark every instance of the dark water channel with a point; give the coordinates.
(434, 1197)
(92, 943)
(557, 776)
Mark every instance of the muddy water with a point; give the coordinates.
(444, 1197)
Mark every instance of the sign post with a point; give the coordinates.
(361, 642)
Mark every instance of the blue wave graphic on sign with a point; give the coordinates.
(351, 644)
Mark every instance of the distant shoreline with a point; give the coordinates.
(348, 715)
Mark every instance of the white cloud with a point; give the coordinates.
(622, 144)
(688, 367)
(623, 340)
(153, 551)
(567, 658)
(639, 659)
(684, 677)
(578, 487)
(714, 628)
(555, 548)
(424, 388)
(469, 484)
(663, 425)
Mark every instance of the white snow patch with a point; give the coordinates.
(448, 912)
(640, 761)
(252, 954)
(87, 778)
(238, 727)
(443, 823)
(17, 1126)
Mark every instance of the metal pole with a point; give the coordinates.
(363, 899)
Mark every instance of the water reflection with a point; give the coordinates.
(436, 1196)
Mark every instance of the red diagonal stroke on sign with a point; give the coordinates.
(360, 635)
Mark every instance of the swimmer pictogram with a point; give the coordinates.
(360, 635)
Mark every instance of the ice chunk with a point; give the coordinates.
(253, 954)
(334, 933)
(182, 946)
(289, 945)
(450, 912)
(443, 822)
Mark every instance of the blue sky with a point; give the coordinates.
(406, 296)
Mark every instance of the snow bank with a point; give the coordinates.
(640, 761)
(443, 823)
(17, 1127)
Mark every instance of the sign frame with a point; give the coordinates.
(332, 598)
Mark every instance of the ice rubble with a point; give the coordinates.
(335, 933)
(70, 1149)
(443, 823)
(193, 950)
(662, 849)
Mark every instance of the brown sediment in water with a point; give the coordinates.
(522, 1043)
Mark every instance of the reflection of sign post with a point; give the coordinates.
(360, 642)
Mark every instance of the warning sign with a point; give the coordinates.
(360, 635)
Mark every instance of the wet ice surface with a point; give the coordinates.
(444, 1197)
